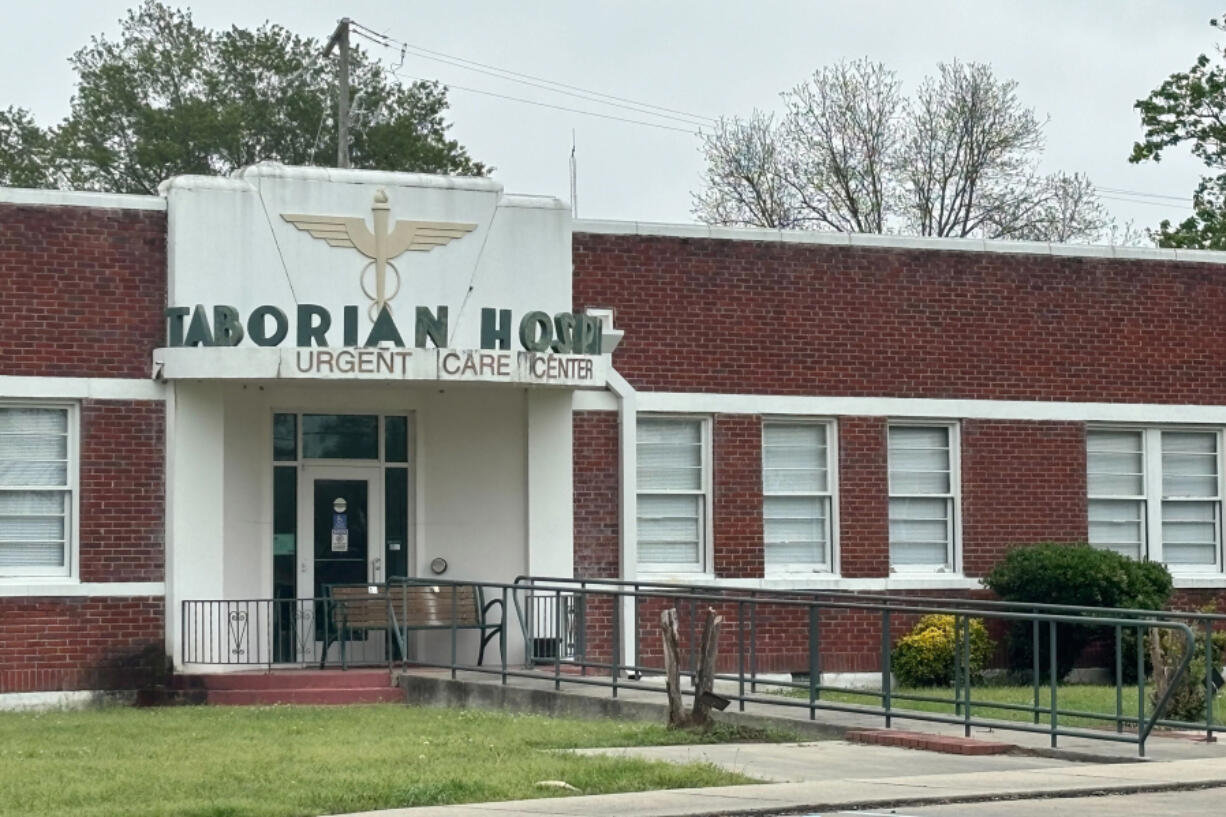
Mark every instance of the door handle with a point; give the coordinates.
(378, 569)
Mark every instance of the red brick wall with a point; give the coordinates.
(1022, 483)
(705, 315)
(737, 502)
(123, 491)
(81, 643)
(596, 497)
(81, 290)
(864, 497)
(1213, 601)
(848, 638)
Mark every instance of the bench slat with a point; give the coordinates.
(413, 606)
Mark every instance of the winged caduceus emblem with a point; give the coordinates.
(382, 244)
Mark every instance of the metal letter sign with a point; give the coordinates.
(340, 531)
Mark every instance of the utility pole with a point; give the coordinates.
(574, 178)
(340, 37)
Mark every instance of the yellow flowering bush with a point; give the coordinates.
(925, 657)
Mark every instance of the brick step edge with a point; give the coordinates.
(294, 679)
(947, 744)
(333, 697)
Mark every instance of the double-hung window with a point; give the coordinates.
(1157, 494)
(37, 479)
(923, 497)
(673, 479)
(796, 496)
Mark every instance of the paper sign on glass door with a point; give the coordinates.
(340, 532)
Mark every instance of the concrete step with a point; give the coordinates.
(286, 679)
(947, 744)
(324, 696)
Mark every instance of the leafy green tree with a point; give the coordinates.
(1189, 108)
(25, 151)
(169, 97)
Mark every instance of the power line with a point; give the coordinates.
(1122, 192)
(629, 104)
(1143, 201)
(551, 90)
(528, 79)
(452, 87)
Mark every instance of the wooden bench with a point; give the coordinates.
(400, 607)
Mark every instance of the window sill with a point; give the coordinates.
(31, 586)
(674, 577)
(823, 581)
(1195, 581)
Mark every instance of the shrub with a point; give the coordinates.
(1129, 651)
(926, 656)
(1074, 575)
(1187, 701)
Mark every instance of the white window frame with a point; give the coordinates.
(830, 565)
(706, 514)
(953, 547)
(70, 569)
(1152, 500)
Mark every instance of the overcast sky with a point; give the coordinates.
(1081, 62)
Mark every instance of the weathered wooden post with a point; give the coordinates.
(705, 681)
(672, 667)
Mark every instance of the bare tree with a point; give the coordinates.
(967, 160)
(1059, 208)
(851, 154)
(745, 176)
(840, 137)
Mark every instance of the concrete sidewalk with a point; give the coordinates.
(863, 791)
(827, 760)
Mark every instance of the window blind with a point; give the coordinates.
(1191, 498)
(671, 492)
(34, 490)
(1115, 478)
(921, 496)
(796, 495)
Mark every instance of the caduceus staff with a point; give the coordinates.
(381, 245)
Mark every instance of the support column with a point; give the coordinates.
(194, 507)
(550, 498)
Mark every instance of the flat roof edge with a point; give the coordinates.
(276, 170)
(80, 198)
(897, 242)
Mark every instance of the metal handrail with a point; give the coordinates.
(971, 604)
(618, 591)
(616, 671)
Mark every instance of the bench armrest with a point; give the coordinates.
(485, 611)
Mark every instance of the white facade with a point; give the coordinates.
(489, 461)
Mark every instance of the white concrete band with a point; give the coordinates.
(81, 388)
(61, 588)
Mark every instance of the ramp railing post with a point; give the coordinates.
(886, 671)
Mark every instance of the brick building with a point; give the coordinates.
(192, 384)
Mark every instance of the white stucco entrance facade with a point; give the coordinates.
(426, 393)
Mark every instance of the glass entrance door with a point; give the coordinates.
(340, 536)
(340, 532)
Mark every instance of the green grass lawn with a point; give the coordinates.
(1070, 697)
(266, 761)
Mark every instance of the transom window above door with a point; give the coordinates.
(339, 437)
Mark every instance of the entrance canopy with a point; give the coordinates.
(384, 364)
